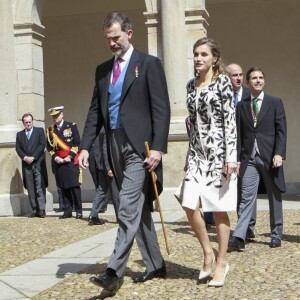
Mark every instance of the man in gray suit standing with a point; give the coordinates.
(262, 133)
(103, 178)
(131, 101)
(30, 146)
(241, 93)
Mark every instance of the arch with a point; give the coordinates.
(28, 11)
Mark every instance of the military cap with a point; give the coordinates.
(55, 110)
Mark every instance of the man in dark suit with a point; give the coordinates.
(30, 146)
(103, 178)
(241, 93)
(131, 101)
(63, 140)
(235, 73)
(262, 133)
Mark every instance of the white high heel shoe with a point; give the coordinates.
(204, 275)
(220, 283)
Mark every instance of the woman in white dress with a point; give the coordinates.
(210, 180)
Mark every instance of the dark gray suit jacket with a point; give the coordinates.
(145, 107)
(270, 134)
(35, 147)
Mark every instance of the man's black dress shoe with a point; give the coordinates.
(95, 221)
(275, 242)
(158, 273)
(78, 216)
(236, 244)
(42, 214)
(106, 281)
(34, 215)
(64, 216)
(250, 235)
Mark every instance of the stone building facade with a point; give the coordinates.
(49, 50)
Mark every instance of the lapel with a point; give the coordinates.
(263, 109)
(130, 73)
(246, 105)
(24, 138)
(105, 81)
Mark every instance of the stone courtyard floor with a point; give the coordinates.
(258, 272)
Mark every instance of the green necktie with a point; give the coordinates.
(255, 106)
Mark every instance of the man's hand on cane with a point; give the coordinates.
(153, 160)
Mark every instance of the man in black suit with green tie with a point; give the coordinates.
(261, 149)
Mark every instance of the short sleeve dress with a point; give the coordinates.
(212, 144)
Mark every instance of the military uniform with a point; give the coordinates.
(63, 141)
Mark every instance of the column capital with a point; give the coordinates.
(32, 31)
(196, 16)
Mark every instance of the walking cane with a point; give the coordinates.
(153, 175)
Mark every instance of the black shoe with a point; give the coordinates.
(42, 214)
(250, 235)
(275, 243)
(33, 215)
(158, 273)
(106, 281)
(58, 210)
(65, 216)
(78, 216)
(95, 221)
(236, 244)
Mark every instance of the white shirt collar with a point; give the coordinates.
(61, 123)
(127, 55)
(239, 92)
(260, 96)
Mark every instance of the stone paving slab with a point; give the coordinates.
(7, 293)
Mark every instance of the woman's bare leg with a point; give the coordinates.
(196, 220)
(223, 232)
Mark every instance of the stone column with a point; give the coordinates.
(8, 96)
(30, 70)
(196, 24)
(11, 182)
(173, 27)
(175, 64)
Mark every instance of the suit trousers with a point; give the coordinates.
(134, 215)
(106, 187)
(72, 197)
(250, 182)
(36, 188)
(252, 222)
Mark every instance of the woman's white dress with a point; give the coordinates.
(212, 144)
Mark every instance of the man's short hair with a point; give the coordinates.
(253, 69)
(117, 17)
(27, 115)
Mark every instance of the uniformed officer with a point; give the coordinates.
(63, 140)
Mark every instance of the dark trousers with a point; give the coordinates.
(106, 187)
(36, 189)
(72, 197)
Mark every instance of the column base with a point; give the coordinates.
(18, 204)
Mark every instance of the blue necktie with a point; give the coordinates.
(28, 134)
(236, 99)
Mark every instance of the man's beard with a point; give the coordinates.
(117, 53)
